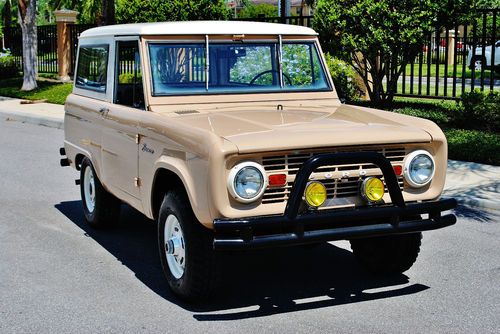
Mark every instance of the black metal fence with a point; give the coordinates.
(305, 21)
(456, 60)
(47, 48)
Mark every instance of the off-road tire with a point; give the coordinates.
(199, 279)
(389, 254)
(106, 211)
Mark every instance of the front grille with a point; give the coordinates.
(341, 181)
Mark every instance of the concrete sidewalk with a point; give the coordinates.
(474, 185)
(47, 114)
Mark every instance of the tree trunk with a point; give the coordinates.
(7, 22)
(107, 13)
(27, 20)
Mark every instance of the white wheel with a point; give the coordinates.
(186, 249)
(175, 248)
(89, 189)
(101, 209)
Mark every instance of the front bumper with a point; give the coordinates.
(294, 228)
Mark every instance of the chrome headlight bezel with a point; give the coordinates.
(233, 174)
(410, 159)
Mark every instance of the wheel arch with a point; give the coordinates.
(78, 160)
(164, 181)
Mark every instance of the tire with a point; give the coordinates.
(387, 255)
(101, 209)
(186, 249)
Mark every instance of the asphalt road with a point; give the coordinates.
(59, 276)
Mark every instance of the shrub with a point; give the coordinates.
(254, 11)
(473, 145)
(480, 110)
(8, 67)
(437, 117)
(344, 78)
(128, 78)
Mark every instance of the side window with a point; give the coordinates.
(177, 68)
(129, 89)
(92, 68)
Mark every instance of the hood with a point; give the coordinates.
(267, 129)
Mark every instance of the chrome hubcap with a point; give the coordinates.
(175, 249)
(89, 189)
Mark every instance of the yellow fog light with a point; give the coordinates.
(372, 189)
(315, 194)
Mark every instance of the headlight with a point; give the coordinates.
(419, 168)
(247, 181)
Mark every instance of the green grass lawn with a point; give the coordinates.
(432, 89)
(433, 71)
(51, 91)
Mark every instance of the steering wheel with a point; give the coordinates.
(269, 71)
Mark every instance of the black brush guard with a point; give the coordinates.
(294, 228)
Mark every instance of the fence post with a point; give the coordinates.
(450, 46)
(64, 18)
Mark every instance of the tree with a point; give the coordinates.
(130, 11)
(107, 13)
(27, 20)
(488, 4)
(254, 11)
(381, 37)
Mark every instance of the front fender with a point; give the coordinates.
(192, 173)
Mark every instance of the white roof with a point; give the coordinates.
(198, 28)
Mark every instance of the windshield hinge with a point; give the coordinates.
(137, 138)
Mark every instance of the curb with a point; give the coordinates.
(51, 122)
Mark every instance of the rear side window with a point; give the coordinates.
(92, 68)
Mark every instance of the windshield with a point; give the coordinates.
(182, 68)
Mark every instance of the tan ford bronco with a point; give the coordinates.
(231, 136)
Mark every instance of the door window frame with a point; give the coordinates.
(141, 64)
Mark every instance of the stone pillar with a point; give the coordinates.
(64, 18)
(451, 46)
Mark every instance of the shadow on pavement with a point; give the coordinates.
(255, 284)
(481, 215)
